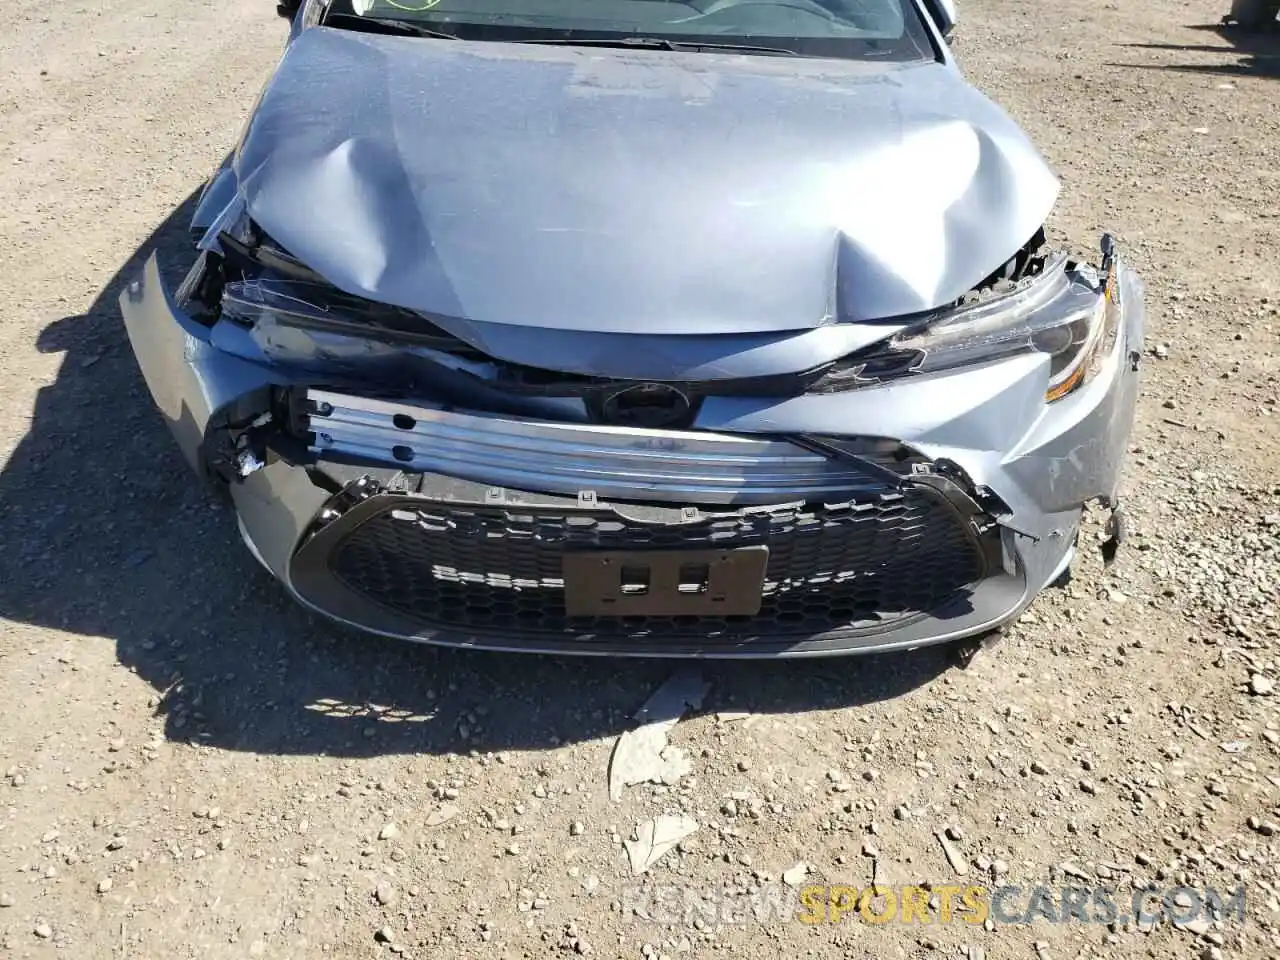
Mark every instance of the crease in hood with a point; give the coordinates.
(643, 192)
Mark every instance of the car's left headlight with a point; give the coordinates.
(1069, 312)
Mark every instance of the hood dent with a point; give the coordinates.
(489, 186)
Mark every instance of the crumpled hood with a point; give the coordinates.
(635, 191)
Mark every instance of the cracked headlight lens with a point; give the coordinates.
(1067, 312)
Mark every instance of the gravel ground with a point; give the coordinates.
(193, 767)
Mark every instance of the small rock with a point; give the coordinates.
(43, 931)
(385, 893)
(1261, 686)
(953, 854)
(1089, 787)
(389, 831)
(104, 885)
(116, 843)
(385, 935)
(577, 828)
(794, 876)
(6, 900)
(1265, 827)
(901, 813)
(1038, 768)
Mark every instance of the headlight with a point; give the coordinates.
(1068, 312)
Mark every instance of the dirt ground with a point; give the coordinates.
(194, 767)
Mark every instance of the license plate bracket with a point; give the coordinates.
(665, 583)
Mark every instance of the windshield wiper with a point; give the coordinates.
(351, 21)
(662, 43)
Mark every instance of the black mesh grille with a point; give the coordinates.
(482, 569)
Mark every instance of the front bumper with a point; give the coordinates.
(427, 525)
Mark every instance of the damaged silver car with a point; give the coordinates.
(683, 328)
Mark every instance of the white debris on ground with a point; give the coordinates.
(643, 755)
(656, 838)
(796, 875)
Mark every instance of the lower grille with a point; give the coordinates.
(497, 570)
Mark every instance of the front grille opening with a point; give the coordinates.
(473, 569)
(694, 578)
(635, 581)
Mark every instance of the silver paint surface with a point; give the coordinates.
(659, 216)
(498, 185)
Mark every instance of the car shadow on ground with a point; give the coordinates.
(106, 534)
(1243, 53)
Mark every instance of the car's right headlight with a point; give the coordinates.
(1068, 312)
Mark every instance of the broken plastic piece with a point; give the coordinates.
(643, 755)
(442, 815)
(656, 838)
(1117, 533)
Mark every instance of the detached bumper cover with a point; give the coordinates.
(456, 534)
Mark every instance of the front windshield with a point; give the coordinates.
(851, 29)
